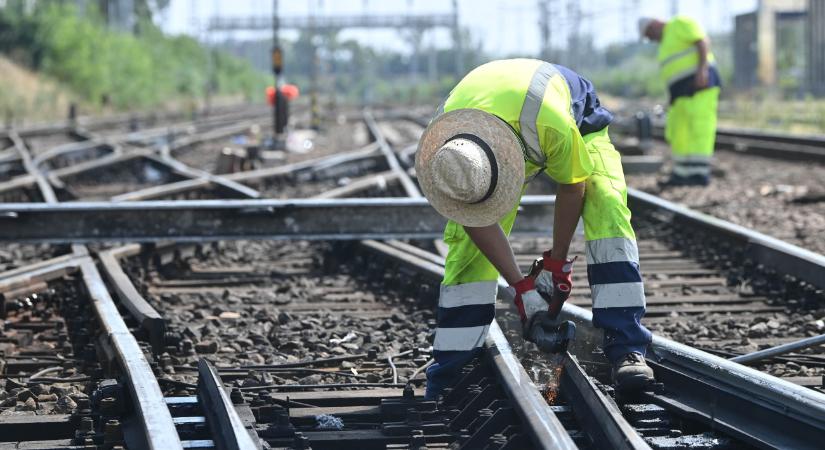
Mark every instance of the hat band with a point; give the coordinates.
(491, 157)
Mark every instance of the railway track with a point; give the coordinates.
(783, 146)
(308, 334)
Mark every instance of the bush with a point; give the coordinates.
(132, 71)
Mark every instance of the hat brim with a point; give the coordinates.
(506, 147)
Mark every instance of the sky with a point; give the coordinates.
(505, 27)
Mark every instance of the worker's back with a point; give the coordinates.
(550, 106)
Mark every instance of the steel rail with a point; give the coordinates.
(313, 165)
(779, 350)
(42, 184)
(154, 419)
(203, 220)
(233, 186)
(156, 422)
(755, 407)
(543, 426)
(148, 318)
(320, 167)
(361, 184)
(409, 186)
(598, 415)
(227, 428)
(773, 253)
(758, 142)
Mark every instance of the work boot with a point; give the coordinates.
(631, 373)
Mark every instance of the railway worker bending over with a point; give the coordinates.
(688, 68)
(505, 122)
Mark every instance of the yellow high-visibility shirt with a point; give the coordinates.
(501, 88)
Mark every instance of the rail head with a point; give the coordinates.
(771, 252)
(722, 393)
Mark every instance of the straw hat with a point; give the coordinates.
(470, 165)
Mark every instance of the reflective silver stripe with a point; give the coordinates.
(611, 250)
(480, 293)
(686, 171)
(618, 295)
(678, 55)
(530, 111)
(459, 339)
(691, 159)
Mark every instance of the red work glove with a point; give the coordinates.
(554, 280)
(528, 301)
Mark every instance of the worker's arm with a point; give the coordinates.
(568, 209)
(493, 243)
(703, 73)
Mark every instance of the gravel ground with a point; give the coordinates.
(302, 144)
(287, 308)
(783, 199)
(13, 256)
(39, 333)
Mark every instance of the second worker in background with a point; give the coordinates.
(688, 67)
(502, 125)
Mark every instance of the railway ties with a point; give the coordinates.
(309, 293)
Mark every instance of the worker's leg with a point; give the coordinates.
(612, 255)
(466, 306)
(693, 135)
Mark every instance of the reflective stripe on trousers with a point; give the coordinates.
(464, 315)
(613, 273)
(689, 165)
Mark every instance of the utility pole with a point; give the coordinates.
(544, 29)
(459, 57)
(277, 67)
(674, 7)
(315, 119)
(574, 18)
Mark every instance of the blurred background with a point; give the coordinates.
(113, 55)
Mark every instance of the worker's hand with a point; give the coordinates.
(554, 280)
(528, 301)
(702, 78)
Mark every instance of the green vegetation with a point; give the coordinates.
(105, 67)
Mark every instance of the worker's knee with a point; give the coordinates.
(605, 212)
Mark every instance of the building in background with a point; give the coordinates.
(781, 45)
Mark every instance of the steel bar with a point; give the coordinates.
(45, 188)
(55, 268)
(599, 416)
(227, 428)
(779, 350)
(361, 184)
(163, 190)
(183, 169)
(97, 164)
(203, 220)
(26, 181)
(318, 164)
(76, 147)
(771, 252)
(392, 160)
(157, 427)
(148, 318)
